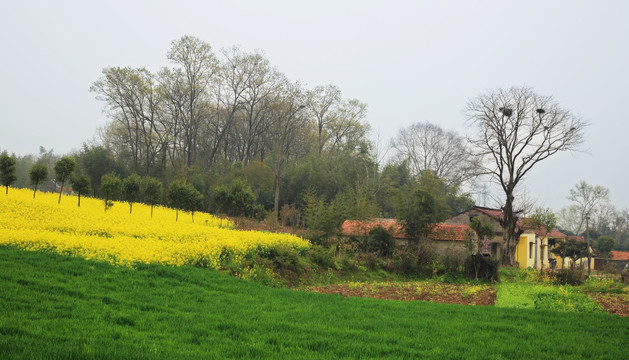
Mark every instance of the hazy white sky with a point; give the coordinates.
(409, 61)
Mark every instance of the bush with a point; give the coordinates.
(379, 241)
(370, 260)
(572, 277)
(320, 215)
(453, 263)
(406, 262)
(317, 237)
(285, 259)
(480, 267)
(324, 257)
(261, 273)
(427, 260)
(347, 262)
(289, 215)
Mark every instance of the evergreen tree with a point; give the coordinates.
(7, 170)
(63, 170)
(37, 175)
(81, 185)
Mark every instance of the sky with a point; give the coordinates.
(410, 61)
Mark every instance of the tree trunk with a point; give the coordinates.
(60, 191)
(276, 204)
(511, 237)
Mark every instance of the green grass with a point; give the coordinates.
(63, 307)
(544, 296)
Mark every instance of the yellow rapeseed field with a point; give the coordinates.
(123, 238)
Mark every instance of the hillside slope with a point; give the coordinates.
(66, 307)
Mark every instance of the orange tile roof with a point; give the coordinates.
(620, 255)
(362, 228)
(455, 232)
(494, 213)
(556, 234)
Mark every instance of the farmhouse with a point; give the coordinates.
(618, 261)
(492, 216)
(443, 238)
(454, 234)
(533, 248)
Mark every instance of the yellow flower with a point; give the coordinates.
(126, 238)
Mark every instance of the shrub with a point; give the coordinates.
(285, 259)
(380, 241)
(370, 260)
(262, 274)
(406, 262)
(481, 267)
(317, 237)
(453, 262)
(572, 277)
(320, 215)
(322, 256)
(289, 215)
(347, 262)
(427, 260)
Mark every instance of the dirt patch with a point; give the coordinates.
(442, 293)
(612, 303)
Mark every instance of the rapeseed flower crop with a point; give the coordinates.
(125, 238)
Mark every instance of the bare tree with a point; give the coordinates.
(133, 107)
(516, 129)
(175, 97)
(260, 85)
(198, 65)
(426, 146)
(588, 198)
(289, 127)
(230, 88)
(323, 102)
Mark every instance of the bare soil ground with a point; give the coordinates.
(450, 294)
(442, 293)
(612, 303)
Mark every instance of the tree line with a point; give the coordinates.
(254, 143)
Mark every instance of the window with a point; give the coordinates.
(531, 250)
